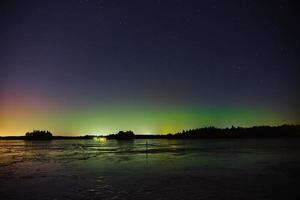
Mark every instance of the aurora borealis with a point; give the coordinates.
(99, 66)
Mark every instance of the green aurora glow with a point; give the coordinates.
(140, 119)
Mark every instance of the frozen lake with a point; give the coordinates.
(170, 169)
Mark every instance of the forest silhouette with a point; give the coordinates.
(283, 131)
(213, 132)
(38, 135)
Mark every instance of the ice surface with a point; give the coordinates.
(167, 169)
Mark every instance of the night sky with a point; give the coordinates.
(152, 66)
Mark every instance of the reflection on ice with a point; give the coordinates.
(149, 169)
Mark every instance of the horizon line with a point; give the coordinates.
(107, 134)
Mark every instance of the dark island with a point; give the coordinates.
(38, 135)
(122, 135)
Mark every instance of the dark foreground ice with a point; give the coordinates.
(169, 169)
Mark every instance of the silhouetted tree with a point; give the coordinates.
(38, 135)
(213, 132)
(122, 135)
(240, 132)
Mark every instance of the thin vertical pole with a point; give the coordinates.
(147, 149)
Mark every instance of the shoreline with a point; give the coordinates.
(283, 131)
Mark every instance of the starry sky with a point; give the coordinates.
(152, 66)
